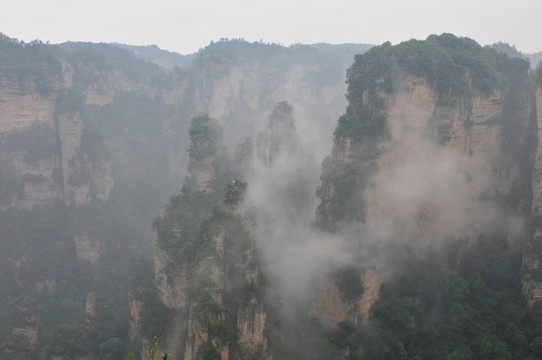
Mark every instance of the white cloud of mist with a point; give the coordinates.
(283, 190)
(429, 192)
(426, 194)
(422, 196)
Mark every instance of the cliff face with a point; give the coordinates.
(331, 307)
(474, 144)
(21, 107)
(56, 171)
(532, 255)
(71, 89)
(418, 163)
(26, 324)
(101, 135)
(180, 225)
(43, 133)
(205, 262)
(226, 311)
(219, 288)
(537, 191)
(436, 146)
(239, 83)
(170, 280)
(217, 276)
(80, 175)
(235, 82)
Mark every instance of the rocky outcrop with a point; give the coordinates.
(25, 322)
(234, 89)
(92, 307)
(472, 143)
(20, 108)
(23, 109)
(205, 151)
(83, 179)
(537, 171)
(135, 305)
(330, 306)
(251, 322)
(229, 80)
(170, 279)
(204, 167)
(176, 273)
(532, 253)
(417, 162)
(226, 311)
(80, 90)
(28, 116)
(232, 83)
(39, 181)
(45, 287)
(87, 248)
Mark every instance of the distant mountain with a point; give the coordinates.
(169, 59)
(534, 58)
(511, 51)
(164, 58)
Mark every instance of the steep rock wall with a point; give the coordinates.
(330, 307)
(25, 326)
(19, 108)
(225, 317)
(537, 172)
(417, 162)
(532, 254)
(87, 248)
(77, 186)
(472, 136)
(240, 91)
(48, 179)
(39, 180)
(170, 280)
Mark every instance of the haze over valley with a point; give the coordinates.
(259, 201)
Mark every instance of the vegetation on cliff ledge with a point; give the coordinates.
(458, 69)
(429, 312)
(30, 65)
(177, 230)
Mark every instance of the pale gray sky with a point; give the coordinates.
(186, 26)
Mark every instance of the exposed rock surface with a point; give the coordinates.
(20, 108)
(47, 179)
(26, 322)
(224, 316)
(75, 97)
(330, 307)
(416, 165)
(92, 307)
(170, 280)
(135, 306)
(87, 248)
(532, 254)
